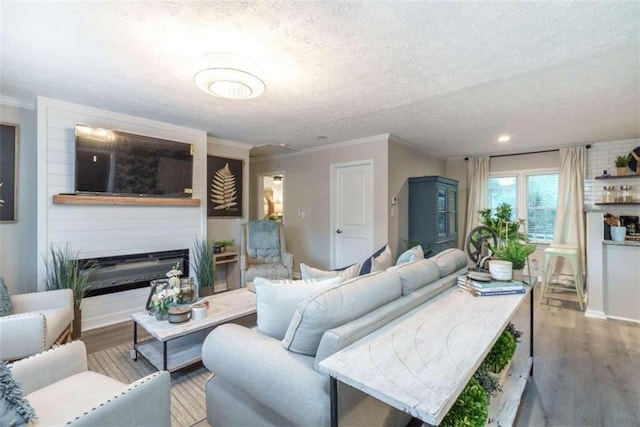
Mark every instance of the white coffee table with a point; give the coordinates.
(176, 345)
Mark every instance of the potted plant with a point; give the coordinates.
(516, 252)
(221, 246)
(204, 266)
(621, 164)
(63, 271)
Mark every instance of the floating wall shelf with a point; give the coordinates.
(70, 199)
(618, 176)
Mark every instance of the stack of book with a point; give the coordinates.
(491, 288)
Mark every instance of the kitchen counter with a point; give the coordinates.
(624, 243)
(613, 274)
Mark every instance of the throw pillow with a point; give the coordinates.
(5, 299)
(382, 261)
(413, 254)
(315, 273)
(366, 265)
(276, 301)
(15, 410)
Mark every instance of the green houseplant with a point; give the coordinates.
(471, 409)
(204, 265)
(63, 271)
(223, 245)
(621, 164)
(515, 251)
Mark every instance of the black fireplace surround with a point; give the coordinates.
(133, 271)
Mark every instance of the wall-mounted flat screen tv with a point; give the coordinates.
(110, 162)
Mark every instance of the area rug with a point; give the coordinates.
(187, 385)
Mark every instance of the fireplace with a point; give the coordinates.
(124, 272)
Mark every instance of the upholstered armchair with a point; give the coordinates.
(263, 252)
(62, 391)
(37, 321)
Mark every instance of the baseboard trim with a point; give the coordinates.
(596, 314)
(626, 319)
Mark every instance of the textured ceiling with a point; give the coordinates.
(448, 77)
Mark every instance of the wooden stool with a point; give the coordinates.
(571, 254)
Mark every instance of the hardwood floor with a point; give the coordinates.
(586, 371)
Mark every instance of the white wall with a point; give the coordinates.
(307, 189)
(18, 255)
(96, 231)
(229, 228)
(405, 162)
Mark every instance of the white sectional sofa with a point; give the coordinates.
(259, 380)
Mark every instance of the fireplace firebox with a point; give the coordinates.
(133, 271)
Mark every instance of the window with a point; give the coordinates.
(533, 196)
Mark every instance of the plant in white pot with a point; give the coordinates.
(64, 272)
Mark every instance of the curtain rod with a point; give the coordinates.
(528, 152)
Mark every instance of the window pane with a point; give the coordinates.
(542, 199)
(504, 189)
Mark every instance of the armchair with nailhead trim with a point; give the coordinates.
(62, 391)
(38, 320)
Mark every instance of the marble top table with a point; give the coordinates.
(421, 362)
(186, 338)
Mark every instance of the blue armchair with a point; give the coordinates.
(263, 252)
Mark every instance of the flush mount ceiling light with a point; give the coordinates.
(504, 138)
(230, 76)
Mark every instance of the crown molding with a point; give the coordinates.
(229, 143)
(18, 103)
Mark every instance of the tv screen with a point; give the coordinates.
(118, 163)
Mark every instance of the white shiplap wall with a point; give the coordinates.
(600, 157)
(97, 231)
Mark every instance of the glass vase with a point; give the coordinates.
(161, 314)
(188, 291)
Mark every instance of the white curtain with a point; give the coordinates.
(477, 191)
(570, 228)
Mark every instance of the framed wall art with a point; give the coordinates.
(8, 171)
(224, 187)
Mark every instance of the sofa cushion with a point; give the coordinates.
(346, 273)
(413, 254)
(321, 311)
(414, 275)
(366, 265)
(73, 395)
(450, 260)
(5, 299)
(276, 301)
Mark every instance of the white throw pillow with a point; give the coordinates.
(414, 254)
(315, 273)
(382, 261)
(276, 301)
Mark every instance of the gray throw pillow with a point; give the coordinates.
(15, 410)
(5, 299)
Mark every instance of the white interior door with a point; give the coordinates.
(351, 212)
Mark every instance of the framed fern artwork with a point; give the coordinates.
(224, 187)
(8, 162)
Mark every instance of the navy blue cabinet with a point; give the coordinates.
(433, 213)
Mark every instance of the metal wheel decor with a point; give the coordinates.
(478, 241)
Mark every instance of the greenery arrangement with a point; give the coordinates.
(501, 352)
(226, 243)
(513, 245)
(203, 262)
(64, 272)
(471, 409)
(501, 223)
(622, 161)
(514, 251)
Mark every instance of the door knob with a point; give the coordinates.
(338, 231)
